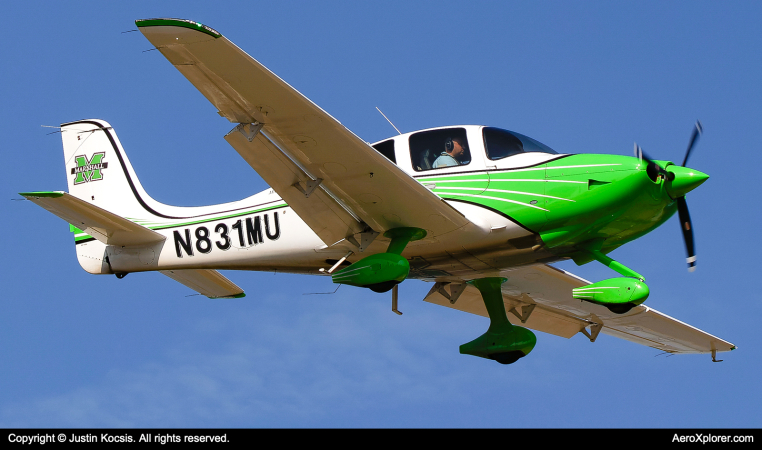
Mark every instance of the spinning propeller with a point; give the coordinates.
(679, 180)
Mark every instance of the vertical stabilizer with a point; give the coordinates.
(98, 171)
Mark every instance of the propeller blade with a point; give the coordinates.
(687, 229)
(694, 137)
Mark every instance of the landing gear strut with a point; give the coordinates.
(503, 342)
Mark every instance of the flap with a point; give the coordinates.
(330, 220)
(206, 282)
(542, 318)
(359, 180)
(105, 226)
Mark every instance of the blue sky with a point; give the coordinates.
(83, 350)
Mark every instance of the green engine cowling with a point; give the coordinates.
(618, 294)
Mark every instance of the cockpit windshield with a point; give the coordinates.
(437, 149)
(501, 143)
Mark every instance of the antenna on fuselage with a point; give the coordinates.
(387, 119)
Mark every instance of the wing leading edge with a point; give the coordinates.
(299, 145)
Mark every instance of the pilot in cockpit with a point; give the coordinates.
(455, 148)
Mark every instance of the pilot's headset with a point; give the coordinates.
(449, 145)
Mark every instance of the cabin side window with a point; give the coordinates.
(500, 144)
(437, 149)
(386, 148)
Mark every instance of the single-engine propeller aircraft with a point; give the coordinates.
(479, 211)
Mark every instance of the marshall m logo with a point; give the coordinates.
(89, 170)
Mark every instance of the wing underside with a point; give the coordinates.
(544, 292)
(337, 183)
(206, 282)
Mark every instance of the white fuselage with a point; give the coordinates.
(263, 233)
(277, 239)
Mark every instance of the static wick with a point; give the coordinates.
(323, 293)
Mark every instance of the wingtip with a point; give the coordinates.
(182, 23)
(241, 295)
(47, 194)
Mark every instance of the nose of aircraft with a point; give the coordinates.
(685, 180)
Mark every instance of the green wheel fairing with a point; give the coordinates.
(380, 272)
(614, 291)
(503, 341)
(381, 268)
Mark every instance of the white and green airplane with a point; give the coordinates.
(478, 211)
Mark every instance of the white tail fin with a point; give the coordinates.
(98, 171)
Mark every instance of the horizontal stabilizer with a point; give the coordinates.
(105, 226)
(206, 282)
